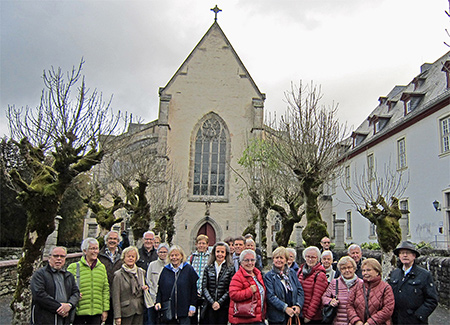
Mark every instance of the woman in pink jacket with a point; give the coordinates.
(345, 283)
(371, 302)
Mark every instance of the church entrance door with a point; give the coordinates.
(208, 230)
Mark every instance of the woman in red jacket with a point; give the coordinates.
(314, 282)
(246, 286)
(371, 302)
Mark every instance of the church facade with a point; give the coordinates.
(208, 111)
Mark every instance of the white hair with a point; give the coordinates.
(85, 244)
(352, 247)
(327, 253)
(245, 252)
(293, 251)
(148, 233)
(312, 248)
(109, 233)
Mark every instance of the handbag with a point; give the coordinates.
(294, 320)
(329, 312)
(166, 312)
(245, 309)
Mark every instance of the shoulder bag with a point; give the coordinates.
(329, 312)
(166, 311)
(245, 309)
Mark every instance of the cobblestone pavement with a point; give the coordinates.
(439, 317)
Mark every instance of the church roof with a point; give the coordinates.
(243, 74)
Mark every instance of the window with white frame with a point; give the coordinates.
(445, 134)
(349, 224)
(401, 153)
(347, 177)
(404, 208)
(408, 107)
(370, 167)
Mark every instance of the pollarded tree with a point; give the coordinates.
(271, 187)
(59, 139)
(375, 197)
(307, 142)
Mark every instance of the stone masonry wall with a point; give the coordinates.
(8, 273)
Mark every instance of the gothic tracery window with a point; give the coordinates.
(210, 159)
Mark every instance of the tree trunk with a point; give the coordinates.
(387, 263)
(315, 228)
(40, 224)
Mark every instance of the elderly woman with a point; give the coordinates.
(250, 244)
(177, 288)
(215, 285)
(314, 281)
(291, 263)
(128, 290)
(345, 283)
(92, 281)
(284, 291)
(154, 270)
(247, 288)
(327, 262)
(371, 301)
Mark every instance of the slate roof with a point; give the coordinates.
(428, 88)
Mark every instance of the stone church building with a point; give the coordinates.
(208, 111)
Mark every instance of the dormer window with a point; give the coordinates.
(411, 100)
(358, 137)
(446, 69)
(379, 122)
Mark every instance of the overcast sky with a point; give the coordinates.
(358, 50)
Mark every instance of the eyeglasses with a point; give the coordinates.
(326, 242)
(58, 256)
(162, 252)
(249, 260)
(93, 248)
(311, 257)
(345, 268)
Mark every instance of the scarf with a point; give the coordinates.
(306, 270)
(136, 286)
(283, 274)
(350, 282)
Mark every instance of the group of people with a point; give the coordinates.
(158, 284)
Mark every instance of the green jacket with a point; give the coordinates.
(94, 287)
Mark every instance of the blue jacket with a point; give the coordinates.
(185, 292)
(276, 295)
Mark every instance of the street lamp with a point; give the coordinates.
(436, 205)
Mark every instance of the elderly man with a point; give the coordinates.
(147, 253)
(92, 280)
(414, 290)
(109, 255)
(355, 252)
(54, 291)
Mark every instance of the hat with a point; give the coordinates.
(407, 245)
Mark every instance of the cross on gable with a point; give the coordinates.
(216, 10)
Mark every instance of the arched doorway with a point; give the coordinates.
(208, 230)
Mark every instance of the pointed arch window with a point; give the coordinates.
(210, 156)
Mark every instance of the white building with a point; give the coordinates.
(409, 131)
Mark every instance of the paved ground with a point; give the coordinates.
(440, 316)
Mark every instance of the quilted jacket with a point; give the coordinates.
(216, 288)
(94, 288)
(380, 299)
(240, 292)
(314, 285)
(343, 293)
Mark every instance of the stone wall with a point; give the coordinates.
(8, 272)
(439, 266)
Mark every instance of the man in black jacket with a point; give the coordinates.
(54, 291)
(414, 290)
